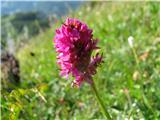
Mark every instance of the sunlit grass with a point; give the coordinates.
(127, 90)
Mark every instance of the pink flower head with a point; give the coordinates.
(74, 44)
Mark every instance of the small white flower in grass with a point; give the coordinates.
(12, 109)
(142, 119)
(130, 41)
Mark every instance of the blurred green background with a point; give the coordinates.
(128, 81)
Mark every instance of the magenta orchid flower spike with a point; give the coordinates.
(74, 44)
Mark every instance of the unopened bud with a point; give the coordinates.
(130, 41)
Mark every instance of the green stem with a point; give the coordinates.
(105, 112)
(136, 57)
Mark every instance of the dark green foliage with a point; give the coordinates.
(33, 20)
(14, 26)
